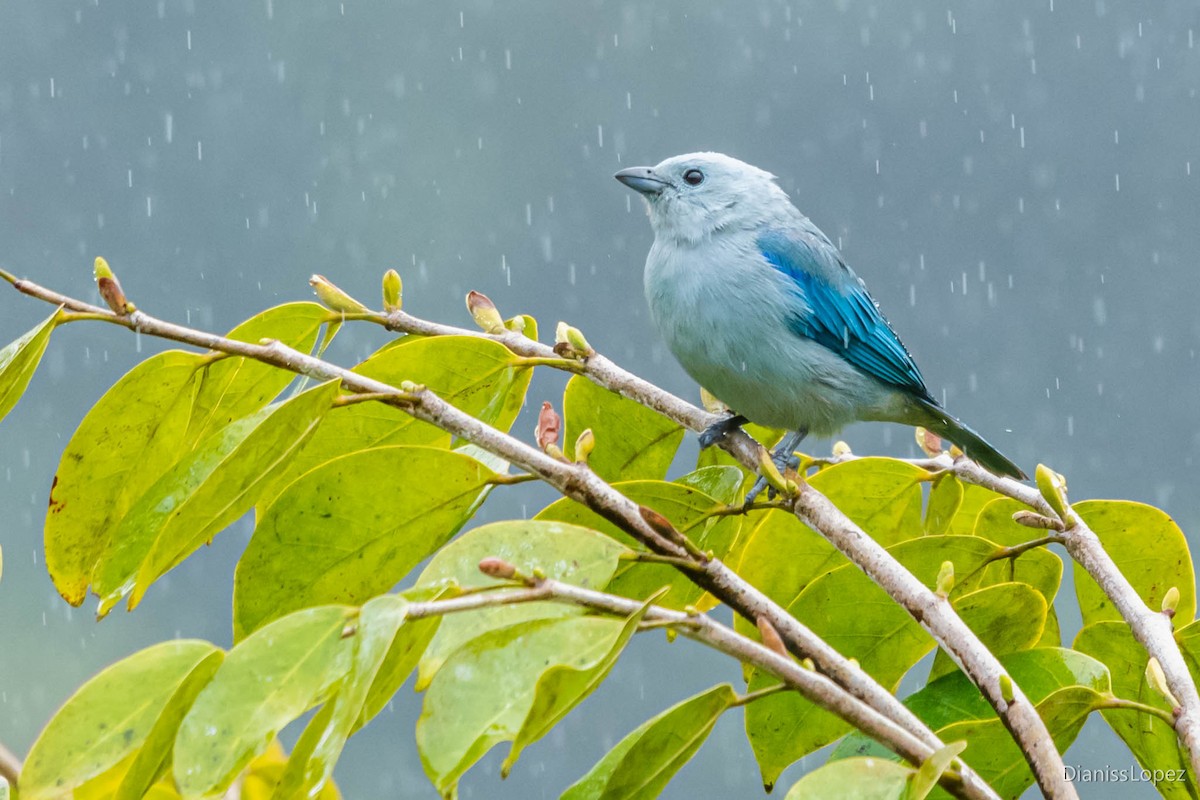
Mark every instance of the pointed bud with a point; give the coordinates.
(691, 610)
(334, 298)
(497, 568)
(1170, 601)
(516, 324)
(393, 291)
(584, 445)
(350, 629)
(1158, 681)
(1032, 519)
(929, 442)
(484, 312)
(1053, 487)
(853, 663)
(711, 404)
(110, 289)
(659, 523)
(569, 342)
(956, 452)
(770, 473)
(808, 664)
(945, 579)
(770, 637)
(548, 426)
(1007, 691)
(841, 449)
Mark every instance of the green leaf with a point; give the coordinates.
(487, 689)
(1063, 684)
(352, 528)
(687, 509)
(379, 624)
(566, 553)
(19, 360)
(781, 555)
(995, 523)
(974, 498)
(478, 376)
(640, 765)
(932, 769)
(881, 495)
(632, 441)
(112, 716)
(150, 420)
(1150, 551)
(858, 619)
(267, 681)
(854, 779)
(1151, 740)
(202, 494)
(406, 649)
(945, 496)
(1006, 616)
(564, 686)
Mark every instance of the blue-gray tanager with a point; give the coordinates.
(759, 308)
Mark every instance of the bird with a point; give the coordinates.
(759, 307)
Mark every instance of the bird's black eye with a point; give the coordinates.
(693, 177)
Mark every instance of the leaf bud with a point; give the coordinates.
(110, 289)
(484, 312)
(570, 343)
(841, 449)
(945, 579)
(393, 291)
(1170, 601)
(548, 426)
(770, 637)
(711, 404)
(333, 297)
(929, 442)
(1053, 487)
(1007, 692)
(497, 568)
(584, 445)
(1158, 681)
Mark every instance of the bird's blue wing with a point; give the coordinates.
(836, 311)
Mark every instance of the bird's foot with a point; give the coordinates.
(720, 429)
(784, 457)
(791, 462)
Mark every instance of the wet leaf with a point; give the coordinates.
(493, 688)
(1150, 551)
(19, 360)
(632, 441)
(641, 764)
(945, 496)
(113, 716)
(1005, 616)
(352, 528)
(267, 681)
(567, 553)
(882, 496)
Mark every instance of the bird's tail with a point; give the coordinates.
(974, 445)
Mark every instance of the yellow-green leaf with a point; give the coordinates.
(640, 765)
(1150, 550)
(1005, 616)
(478, 376)
(487, 688)
(882, 495)
(854, 779)
(111, 717)
(267, 681)
(945, 496)
(566, 553)
(352, 528)
(632, 441)
(150, 420)
(19, 360)
(206, 491)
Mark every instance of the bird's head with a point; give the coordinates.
(691, 197)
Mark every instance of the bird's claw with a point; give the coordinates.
(784, 461)
(719, 430)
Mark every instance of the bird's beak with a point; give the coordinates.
(642, 179)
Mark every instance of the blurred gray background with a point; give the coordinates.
(1018, 182)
